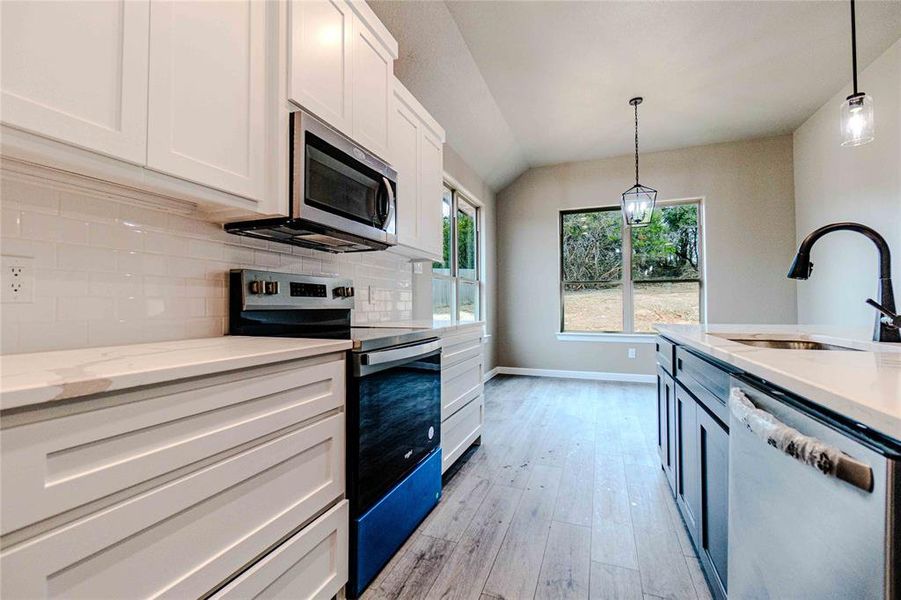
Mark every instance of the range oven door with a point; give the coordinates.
(394, 417)
(339, 185)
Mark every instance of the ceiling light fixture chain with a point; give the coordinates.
(635, 103)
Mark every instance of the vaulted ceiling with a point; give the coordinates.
(523, 84)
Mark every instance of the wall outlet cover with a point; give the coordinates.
(17, 278)
(631, 352)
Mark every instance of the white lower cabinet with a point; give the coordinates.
(462, 405)
(171, 491)
(310, 564)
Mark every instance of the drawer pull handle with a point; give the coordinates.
(808, 450)
(679, 364)
(658, 347)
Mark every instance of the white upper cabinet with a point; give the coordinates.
(373, 74)
(76, 72)
(341, 67)
(416, 143)
(320, 60)
(431, 190)
(208, 110)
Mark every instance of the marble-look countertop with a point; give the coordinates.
(27, 379)
(864, 386)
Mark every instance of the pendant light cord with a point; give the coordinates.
(853, 47)
(636, 141)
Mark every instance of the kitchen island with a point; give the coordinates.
(780, 440)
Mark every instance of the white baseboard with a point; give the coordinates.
(596, 375)
(490, 374)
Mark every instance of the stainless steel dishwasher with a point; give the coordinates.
(814, 509)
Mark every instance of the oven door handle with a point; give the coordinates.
(380, 357)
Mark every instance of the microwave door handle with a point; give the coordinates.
(386, 217)
(805, 449)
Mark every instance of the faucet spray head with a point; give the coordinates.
(801, 267)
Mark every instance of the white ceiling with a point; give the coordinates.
(520, 84)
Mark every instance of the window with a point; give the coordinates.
(456, 283)
(617, 279)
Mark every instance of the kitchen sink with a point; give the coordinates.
(791, 344)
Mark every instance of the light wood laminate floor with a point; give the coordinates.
(565, 498)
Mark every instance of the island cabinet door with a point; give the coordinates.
(713, 454)
(688, 480)
(666, 424)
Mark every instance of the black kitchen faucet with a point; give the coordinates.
(888, 324)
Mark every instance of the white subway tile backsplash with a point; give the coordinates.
(86, 258)
(110, 272)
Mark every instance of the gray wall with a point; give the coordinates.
(850, 184)
(749, 234)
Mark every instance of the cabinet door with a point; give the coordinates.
(661, 416)
(431, 190)
(667, 401)
(208, 102)
(713, 449)
(404, 154)
(688, 483)
(77, 72)
(319, 59)
(372, 75)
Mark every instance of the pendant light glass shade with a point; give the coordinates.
(638, 205)
(638, 201)
(857, 109)
(857, 120)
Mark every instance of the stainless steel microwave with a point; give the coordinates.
(342, 196)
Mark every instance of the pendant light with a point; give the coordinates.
(857, 109)
(638, 201)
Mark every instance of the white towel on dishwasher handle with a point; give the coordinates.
(774, 432)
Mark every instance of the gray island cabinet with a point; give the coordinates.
(693, 442)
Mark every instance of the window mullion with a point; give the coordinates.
(628, 312)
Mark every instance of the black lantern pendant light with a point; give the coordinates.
(638, 200)
(857, 109)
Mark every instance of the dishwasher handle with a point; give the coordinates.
(827, 459)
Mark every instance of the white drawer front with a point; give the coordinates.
(460, 347)
(460, 383)
(310, 565)
(184, 538)
(54, 465)
(460, 431)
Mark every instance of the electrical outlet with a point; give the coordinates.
(17, 279)
(631, 352)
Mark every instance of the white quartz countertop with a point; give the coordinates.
(47, 376)
(864, 386)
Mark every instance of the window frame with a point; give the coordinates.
(457, 195)
(628, 332)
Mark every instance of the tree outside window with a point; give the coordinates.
(619, 279)
(456, 283)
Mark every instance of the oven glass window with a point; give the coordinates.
(337, 183)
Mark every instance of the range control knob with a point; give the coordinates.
(343, 292)
(271, 288)
(256, 287)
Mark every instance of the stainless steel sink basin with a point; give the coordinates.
(791, 344)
